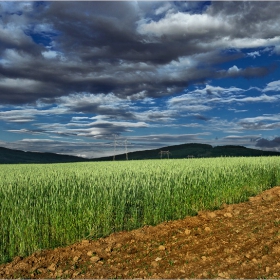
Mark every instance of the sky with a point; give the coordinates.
(84, 78)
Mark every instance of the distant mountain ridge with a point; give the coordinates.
(17, 156)
(192, 150)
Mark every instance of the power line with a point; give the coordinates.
(164, 153)
(125, 143)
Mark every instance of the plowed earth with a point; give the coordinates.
(237, 241)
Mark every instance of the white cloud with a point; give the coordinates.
(178, 24)
(192, 108)
(258, 119)
(157, 115)
(43, 27)
(163, 9)
(50, 54)
(18, 84)
(247, 140)
(200, 98)
(28, 114)
(12, 56)
(234, 69)
(273, 86)
(254, 42)
(215, 31)
(218, 91)
(261, 98)
(29, 140)
(264, 122)
(78, 119)
(277, 49)
(243, 137)
(12, 7)
(253, 54)
(109, 100)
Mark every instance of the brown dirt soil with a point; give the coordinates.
(237, 241)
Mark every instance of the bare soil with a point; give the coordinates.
(237, 241)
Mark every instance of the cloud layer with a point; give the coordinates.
(129, 49)
(155, 73)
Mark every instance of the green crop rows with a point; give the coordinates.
(45, 206)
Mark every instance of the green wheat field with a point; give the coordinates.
(50, 205)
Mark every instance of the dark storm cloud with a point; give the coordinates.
(95, 128)
(96, 109)
(155, 49)
(108, 105)
(201, 117)
(268, 144)
(249, 72)
(12, 37)
(259, 125)
(255, 19)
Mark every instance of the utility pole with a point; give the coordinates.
(120, 143)
(164, 153)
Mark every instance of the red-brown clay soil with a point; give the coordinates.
(237, 241)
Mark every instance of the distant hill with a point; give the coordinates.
(16, 156)
(176, 151)
(193, 150)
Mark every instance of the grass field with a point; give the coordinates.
(45, 206)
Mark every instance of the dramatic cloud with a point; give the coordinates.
(266, 122)
(269, 144)
(147, 71)
(61, 48)
(244, 140)
(209, 97)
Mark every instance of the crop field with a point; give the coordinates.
(51, 205)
